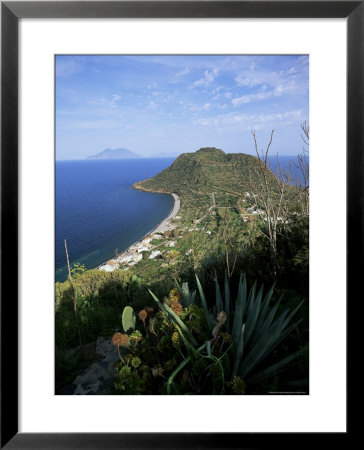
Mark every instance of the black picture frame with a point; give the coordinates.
(11, 12)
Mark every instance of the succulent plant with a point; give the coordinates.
(128, 319)
(255, 330)
(252, 334)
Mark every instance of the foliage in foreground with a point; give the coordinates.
(101, 296)
(185, 347)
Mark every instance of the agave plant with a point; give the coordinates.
(254, 328)
(193, 348)
(261, 332)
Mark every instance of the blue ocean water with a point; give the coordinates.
(290, 164)
(98, 212)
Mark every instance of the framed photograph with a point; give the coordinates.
(180, 184)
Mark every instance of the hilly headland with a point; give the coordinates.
(232, 215)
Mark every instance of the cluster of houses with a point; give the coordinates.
(134, 254)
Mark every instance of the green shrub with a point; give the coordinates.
(190, 348)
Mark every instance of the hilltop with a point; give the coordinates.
(116, 153)
(206, 170)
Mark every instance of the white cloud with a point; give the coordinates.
(263, 94)
(217, 90)
(192, 108)
(251, 121)
(251, 78)
(243, 80)
(102, 101)
(152, 105)
(67, 66)
(251, 98)
(207, 79)
(182, 73)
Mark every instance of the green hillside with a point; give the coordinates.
(210, 178)
(208, 169)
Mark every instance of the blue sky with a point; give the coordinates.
(160, 104)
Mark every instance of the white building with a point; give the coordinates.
(154, 254)
(143, 248)
(107, 268)
(127, 257)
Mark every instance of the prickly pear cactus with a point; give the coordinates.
(128, 319)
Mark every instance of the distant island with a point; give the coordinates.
(116, 153)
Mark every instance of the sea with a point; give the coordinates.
(99, 214)
(97, 211)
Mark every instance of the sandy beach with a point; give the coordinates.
(165, 225)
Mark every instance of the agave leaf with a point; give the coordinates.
(244, 292)
(178, 285)
(227, 304)
(204, 304)
(159, 303)
(179, 322)
(293, 312)
(179, 289)
(263, 327)
(280, 322)
(175, 373)
(253, 313)
(262, 347)
(208, 348)
(282, 337)
(178, 369)
(251, 300)
(283, 322)
(187, 296)
(175, 318)
(272, 370)
(190, 348)
(239, 351)
(265, 306)
(239, 310)
(219, 306)
(266, 344)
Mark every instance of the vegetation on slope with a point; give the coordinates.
(207, 170)
(222, 227)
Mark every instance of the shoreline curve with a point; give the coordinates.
(160, 228)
